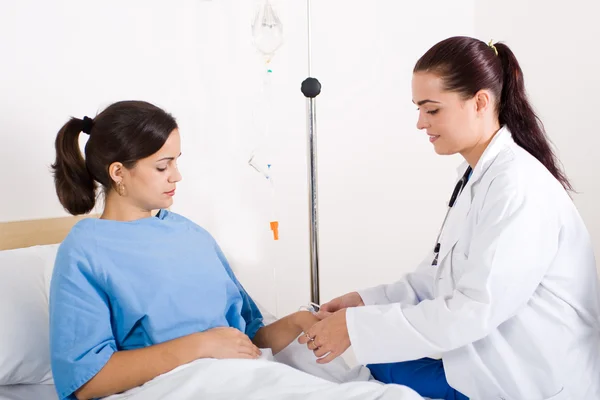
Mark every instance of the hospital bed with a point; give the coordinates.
(27, 254)
(26, 259)
(28, 392)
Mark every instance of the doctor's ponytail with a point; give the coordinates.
(518, 115)
(468, 65)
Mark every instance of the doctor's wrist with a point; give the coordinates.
(356, 299)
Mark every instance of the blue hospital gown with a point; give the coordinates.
(127, 285)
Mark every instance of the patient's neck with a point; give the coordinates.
(118, 208)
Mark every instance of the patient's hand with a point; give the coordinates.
(281, 333)
(226, 343)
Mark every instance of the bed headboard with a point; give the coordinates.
(19, 234)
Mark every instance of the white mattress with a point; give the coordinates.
(28, 392)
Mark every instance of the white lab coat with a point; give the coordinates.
(513, 306)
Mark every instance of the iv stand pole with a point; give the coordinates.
(311, 89)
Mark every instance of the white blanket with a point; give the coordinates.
(267, 378)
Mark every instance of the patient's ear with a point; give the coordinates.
(116, 172)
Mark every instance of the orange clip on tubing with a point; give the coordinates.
(275, 229)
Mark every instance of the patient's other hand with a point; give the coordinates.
(224, 343)
(352, 299)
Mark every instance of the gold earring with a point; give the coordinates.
(121, 188)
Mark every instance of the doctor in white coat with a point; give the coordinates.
(509, 293)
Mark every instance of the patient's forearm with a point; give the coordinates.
(131, 368)
(278, 335)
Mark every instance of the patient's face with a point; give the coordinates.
(151, 183)
(449, 120)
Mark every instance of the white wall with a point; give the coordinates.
(73, 58)
(556, 45)
(382, 188)
(196, 59)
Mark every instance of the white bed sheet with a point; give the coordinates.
(256, 380)
(301, 379)
(28, 392)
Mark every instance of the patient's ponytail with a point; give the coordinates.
(74, 184)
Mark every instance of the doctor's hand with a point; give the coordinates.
(224, 343)
(328, 338)
(352, 299)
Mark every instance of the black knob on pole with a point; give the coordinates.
(311, 87)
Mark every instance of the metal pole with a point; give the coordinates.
(311, 89)
(314, 205)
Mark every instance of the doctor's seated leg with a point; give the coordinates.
(425, 376)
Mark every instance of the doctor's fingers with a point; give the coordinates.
(331, 306)
(329, 358)
(323, 314)
(321, 351)
(315, 332)
(312, 345)
(304, 339)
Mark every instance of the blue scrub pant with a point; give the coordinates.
(425, 376)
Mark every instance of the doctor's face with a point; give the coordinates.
(449, 120)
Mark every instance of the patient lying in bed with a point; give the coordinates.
(136, 296)
(128, 285)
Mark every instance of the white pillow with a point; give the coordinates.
(24, 341)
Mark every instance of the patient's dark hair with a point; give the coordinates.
(124, 132)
